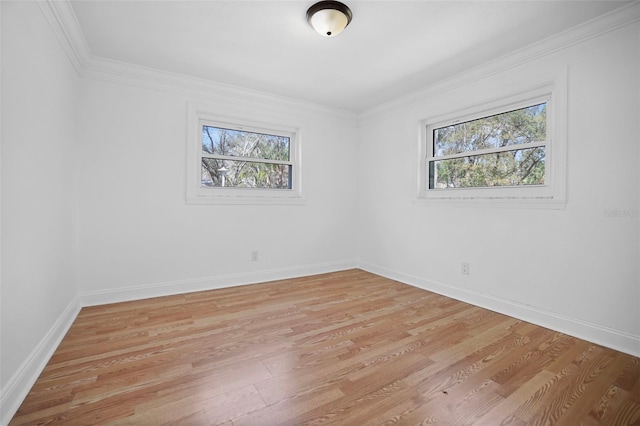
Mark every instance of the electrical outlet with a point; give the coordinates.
(464, 268)
(254, 256)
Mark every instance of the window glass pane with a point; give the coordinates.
(510, 128)
(508, 168)
(237, 143)
(245, 174)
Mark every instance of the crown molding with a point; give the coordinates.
(616, 19)
(99, 68)
(66, 28)
(65, 25)
(63, 21)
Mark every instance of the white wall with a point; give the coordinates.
(93, 199)
(138, 236)
(574, 269)
(39, 111)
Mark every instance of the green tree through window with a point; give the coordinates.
(506, 149)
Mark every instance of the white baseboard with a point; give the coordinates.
(614, 339)
(125, 294)
(22, 380)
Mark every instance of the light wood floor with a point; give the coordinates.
(347, 348)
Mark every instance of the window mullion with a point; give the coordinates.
(248, 159)
(489, 151)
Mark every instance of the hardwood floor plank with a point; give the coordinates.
(504, 412)
(594, 386)
(627, 413)
(285, 411)
(531, 362)
(207, 407)
(344, 348)
(572, 394)
(629, 379)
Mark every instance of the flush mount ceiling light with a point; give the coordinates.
(329, 18)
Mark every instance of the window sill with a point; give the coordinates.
(541, 202)
(230, 199)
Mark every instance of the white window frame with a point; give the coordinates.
(550, 195)
(198, 194)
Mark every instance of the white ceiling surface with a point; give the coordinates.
(389, 49)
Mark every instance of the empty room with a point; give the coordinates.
(297, 212)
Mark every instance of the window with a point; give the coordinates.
(506, 149)
(506, 152)
(234, 158)
(233, 161)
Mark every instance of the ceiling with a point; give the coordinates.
(390, 48)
